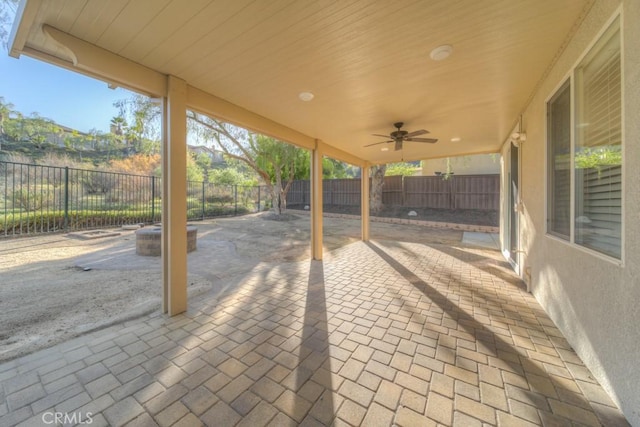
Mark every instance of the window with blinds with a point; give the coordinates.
(559, 163)
(598, 146)
(597, 151)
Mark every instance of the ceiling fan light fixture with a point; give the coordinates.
(441, 52)
(456, 139)
(306, 96)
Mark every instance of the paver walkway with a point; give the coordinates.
(378, 334)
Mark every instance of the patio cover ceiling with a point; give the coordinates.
(367, 62)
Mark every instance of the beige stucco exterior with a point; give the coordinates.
(593, 300)
(474, 164)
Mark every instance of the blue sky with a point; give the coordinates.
(68, 98)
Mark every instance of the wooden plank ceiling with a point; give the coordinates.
(366, 61)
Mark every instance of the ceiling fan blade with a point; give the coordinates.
(398, 145)
(377, 134)
(376, 143)
(416, 133)
(429, 140)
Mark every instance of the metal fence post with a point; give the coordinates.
(66, 198)
(235, 196)
(153, 199)
(203, 200)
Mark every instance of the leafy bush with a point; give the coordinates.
(598, 157)
(97, 182)
(213, 211)
(227, 176)
(52, 221)
(32, 198)
(31, 222)
(220, 199)
(138, 164)
(403, 169)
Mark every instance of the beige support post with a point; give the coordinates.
(364, 202)
(316, 204)
(165, 206)
(174, 200)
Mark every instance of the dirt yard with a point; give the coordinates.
(55, 287)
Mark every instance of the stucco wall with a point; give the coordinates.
(476, 164)
(594, 301)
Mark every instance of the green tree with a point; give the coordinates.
(401, 169)
(6, 109)
(142, 123)
(92, 138)
(35, 129)
(204, 163)
(194, 171)
(110, 143)
(8, 10)
(378, 172)
(226, 176)
(275, 162)
(118, 129)
(280, 161)
(377, 182)
(598, 157)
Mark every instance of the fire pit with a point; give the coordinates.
(149, 240)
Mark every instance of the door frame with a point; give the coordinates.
(511, 235)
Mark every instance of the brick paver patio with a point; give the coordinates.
(378, 334)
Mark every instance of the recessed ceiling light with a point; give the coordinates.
(456, 139)
(441, 52)
(384, 149)
(305, 96)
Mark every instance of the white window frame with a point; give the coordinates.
(570, 76)
(551, 233)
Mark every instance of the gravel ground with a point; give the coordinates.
(55, 287)
(456, 216)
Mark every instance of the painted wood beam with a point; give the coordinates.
(96, 61)
(25, 15)
(338, 154)
(54, 60)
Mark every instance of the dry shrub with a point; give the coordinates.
(139, 164)
(61, 161)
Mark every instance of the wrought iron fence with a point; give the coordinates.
(41, 199)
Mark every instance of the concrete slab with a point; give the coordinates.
(93, 234)
(484, 240)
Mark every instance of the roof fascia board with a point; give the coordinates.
(416, 158)
(25, 15)
(105, 65)
(338, 154)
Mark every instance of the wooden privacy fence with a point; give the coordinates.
(458, 192)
